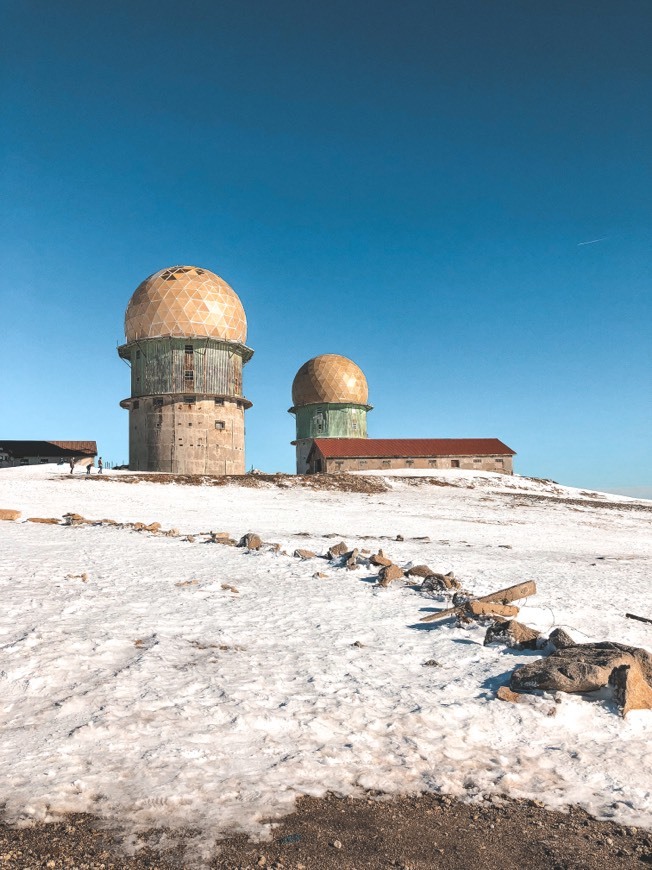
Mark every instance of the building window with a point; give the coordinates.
(135, 406)
(189, 348)
(158, 403)
(477, 459)
(386, 463)
(409, 462)
(432, 463)
(339, 463)
(455, 463)
(220, 424)
(363, 462)
(219, 401)
(190, 424)
(498, 461)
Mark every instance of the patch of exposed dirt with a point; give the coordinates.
(328, 482)
(535, 498)
(414, 833)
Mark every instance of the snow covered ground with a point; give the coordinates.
(154, 694)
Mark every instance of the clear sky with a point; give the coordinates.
(455, 194)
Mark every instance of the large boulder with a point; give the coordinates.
(560, 639)
(584, 667)
(251, 541)
(419, 571)
(338, 550)
(631, 689)
(380, 559)
(8, 514)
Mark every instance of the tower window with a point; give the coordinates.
(190, 400)
(189, 348)
(219, 401)
(135, 405)
(158, 403)
(355, 426)
(188, 375)
(137, 354)
(220, 424)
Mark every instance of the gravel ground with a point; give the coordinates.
(426, 831)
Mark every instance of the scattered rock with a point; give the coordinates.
(435, 582)
(172, 533)
(631, 689)
(336, 844)
(304, 554)
(73, 519)
(228, 588)
(419, 571)
(251, 541)
(152, 527)
(49, 521)
(399, 538)
(138, 527)
(83, 577)
(190, 539)
(388, 574)
(513, 634)
(319, 575)
(431, 663)
(337, 550)
(380, 559)
(357, 643)
(560, 639)
(584, 667)
(506, 694)
(352, 560)
(8, 514)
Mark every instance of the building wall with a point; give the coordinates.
(205, 437)
(476, 463)
(326, 421)
(178, 365)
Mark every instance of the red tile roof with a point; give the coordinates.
(345, 448)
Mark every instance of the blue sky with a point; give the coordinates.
(408, 184)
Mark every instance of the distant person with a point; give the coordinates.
(72, 464)
(88, 468)
(100, 466)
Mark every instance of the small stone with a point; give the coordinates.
(352, 560)
(190, 539)
(399, 538)
(431, 663)
(388, 574)
(319, 575)
(251, 541)
(513, 634)
(304, 554)
(337, 550)
(358, 644)
(419, 571)
(336, 844)
(506, 694)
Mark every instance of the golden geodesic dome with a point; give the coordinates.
(185, 301)
(329, 378)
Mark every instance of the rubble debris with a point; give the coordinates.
(513, 634)
(251, 541)
(440, 583)
(627, 615)
(352, 560)
(172, 533)
(631, 690)
(506, 694)
(304, 554)
(152, 527)
(380, 559)
(388, 574)
(584, 667)
(490, 608)
(502, 596)
(9, 514)
(560, 639)
(337, 550)
(49, 521)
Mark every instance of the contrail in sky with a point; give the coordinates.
(592, 241)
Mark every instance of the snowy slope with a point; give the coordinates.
(151, 695)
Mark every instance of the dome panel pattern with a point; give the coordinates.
(329, 378)
(185, 301)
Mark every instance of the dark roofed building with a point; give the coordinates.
(14, 453)
(370, 454)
